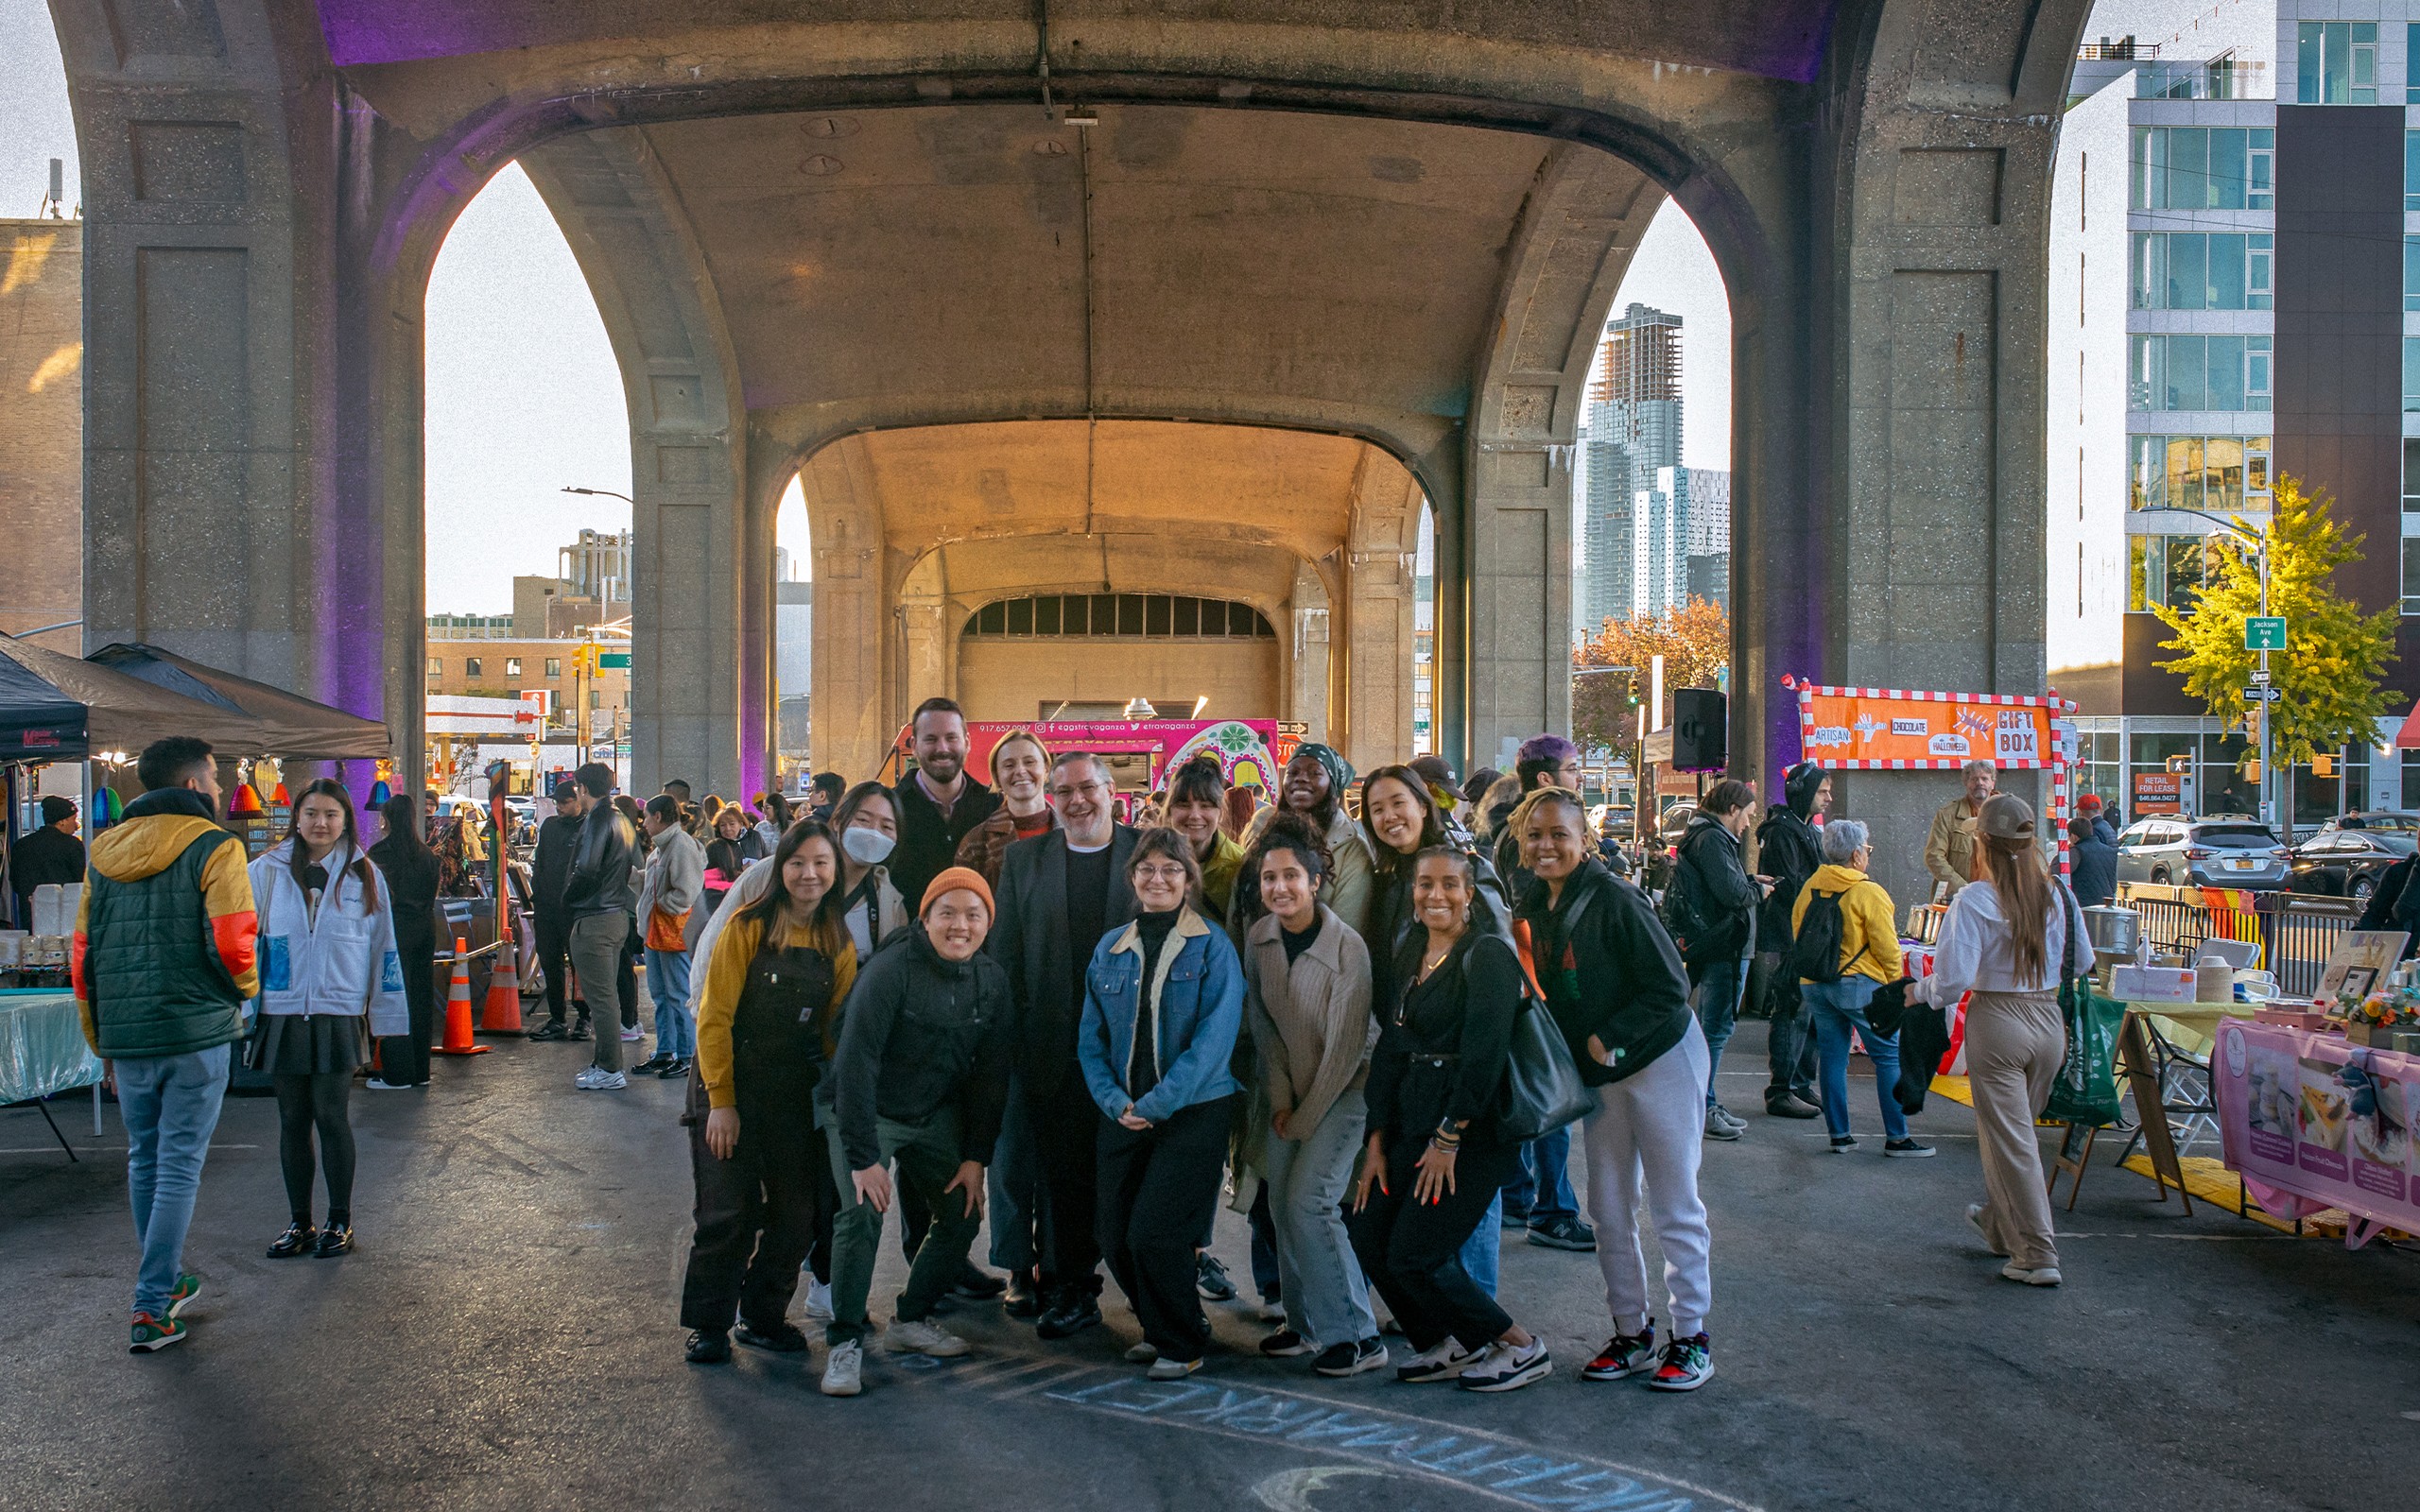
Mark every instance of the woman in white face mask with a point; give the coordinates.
(869, 829)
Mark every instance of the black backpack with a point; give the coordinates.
(1815, 956)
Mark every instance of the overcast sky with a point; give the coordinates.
(523, 397)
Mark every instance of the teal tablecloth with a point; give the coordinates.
(41, 1046)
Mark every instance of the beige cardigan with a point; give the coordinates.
(1311, 1021)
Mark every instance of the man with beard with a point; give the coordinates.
(938, 804)
(1789, 850)
(1060, 893)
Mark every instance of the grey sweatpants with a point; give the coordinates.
(1651, 1124)
(596, 950)
(2015, 1046)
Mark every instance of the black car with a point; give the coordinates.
(2348, 863)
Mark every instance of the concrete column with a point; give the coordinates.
(1380, 561)
(1311, 634)
(853, 623)
(701, 618)
(927, 640)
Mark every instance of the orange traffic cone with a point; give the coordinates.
(458, 1005)
(502, 1012)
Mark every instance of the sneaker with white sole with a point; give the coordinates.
(1341, 1360)
(1627, 1355)
(1905, 1148)
(1443, 1362)
(1167, 1369)
(1508, 1368)
(1286, 1343)
(1731, 1118)
(845, 1369)
(819, 1301)
(188, 1287)
(1716, 1128)
(920, 1337)
(632, 1037)
(598, 1079)
(1688, 1364)
(2046, 1276)
(1143, 1353)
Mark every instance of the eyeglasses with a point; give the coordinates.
(1159, 873)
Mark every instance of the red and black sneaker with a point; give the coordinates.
(1629, 1354)
(1688, 1364)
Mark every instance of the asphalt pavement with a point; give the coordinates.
(505, 1337)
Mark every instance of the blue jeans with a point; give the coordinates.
(1541, 1185)
(1480, 1250)
(170, 1105)
(1837, 1008)
(668, 980)
(1716, 991)
(1304, 1182)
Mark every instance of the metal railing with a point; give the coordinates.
(2122, 49)
(2295, 931)
(2223, 79)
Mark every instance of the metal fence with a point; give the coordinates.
(2295, 929)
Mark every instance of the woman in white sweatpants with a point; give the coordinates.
(1617, 990)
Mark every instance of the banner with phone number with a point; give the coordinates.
(1895, 730)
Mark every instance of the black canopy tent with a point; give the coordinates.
(290, 726)
(59, 708)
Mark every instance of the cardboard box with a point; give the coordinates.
(2152, 983)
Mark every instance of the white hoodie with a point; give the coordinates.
(345, 960)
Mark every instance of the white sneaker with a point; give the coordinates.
(1172, 1370)
(596, 1079)
(632, 1037)
(904, 1337)
(819, 1301)
(2047, 1276)
(1143, 1353)
(1731, 1118)
(1503, 1367)
(844, 1371)
(1443, 1362)
(1717, 1129)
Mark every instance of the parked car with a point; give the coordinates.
(1674, 822)
(2229, 852)
(2348, 863)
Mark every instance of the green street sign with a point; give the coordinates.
(622, 659)
(2264, 632)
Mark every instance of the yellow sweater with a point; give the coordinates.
(727, 978)
(1866, 923)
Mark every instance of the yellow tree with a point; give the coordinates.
(1694, 642)
(2327, 677)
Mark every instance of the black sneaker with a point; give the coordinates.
(1563, 1231)
(299, 1239)
(651, 1065)
(1516, 1217)
(578, 1031)
(976, 1285)
(553, 1029)
(1905, 1149)
(1843, 1144)
(709, 1347)
(1075, 1312)
(673, 1069)
(1629, 1354)
(1286, 1343)
(1211, 1277)
(1351, 1359)
(781, 1338)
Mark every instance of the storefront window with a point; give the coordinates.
(2100, 770)
(2150, 787)
(2226, 784)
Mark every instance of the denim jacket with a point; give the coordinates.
(1197, 1005)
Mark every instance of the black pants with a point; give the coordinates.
(1157, 1187)
(755, 1212)
(1066, 1137)
(402, 1058)
(625, 980)
(1789, 1044)
(554, 958)
(1411, 1250)
(307, 1102)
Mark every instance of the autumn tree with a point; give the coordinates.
(2328, 675)
(1694, 642)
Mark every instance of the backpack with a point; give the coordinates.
(1815, 957)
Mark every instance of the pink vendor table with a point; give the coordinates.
(2312, 1122)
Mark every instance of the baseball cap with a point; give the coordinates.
(2006, 817)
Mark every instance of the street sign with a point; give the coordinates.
(622, 659)
(2262, 694)
(2264, 632)
(2259, 677)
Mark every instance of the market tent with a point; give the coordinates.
(55, 706)
(290, 725)
(2408, 738)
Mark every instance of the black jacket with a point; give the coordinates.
(1045, 966)
(1608, 969)
(1788, 850)
(1391, 923)
(919, 1034)
(1717, 885)
(557, 837)
(2395, 904)
(604, 870)
(928, 844)
(411, 886)
(1442, 1053)
(46, 856)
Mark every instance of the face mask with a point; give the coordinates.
(866, 848)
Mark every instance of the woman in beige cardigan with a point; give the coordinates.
(1308, 996)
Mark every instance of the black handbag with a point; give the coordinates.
(1542, 1087)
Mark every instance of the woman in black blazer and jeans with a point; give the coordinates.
(1434, 1161)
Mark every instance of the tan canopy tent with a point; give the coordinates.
(55, 706)
(289, 725)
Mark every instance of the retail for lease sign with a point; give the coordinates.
(1895, 729)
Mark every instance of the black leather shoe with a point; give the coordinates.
(336, 1238)
(1075, 1312)
(976, 1285)
(551, 1029)
(299, 1239)
(781, 1338)
(709, 1347)
(578, 1031)
(1021, 1299)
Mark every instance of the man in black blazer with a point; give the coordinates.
(1060, 893)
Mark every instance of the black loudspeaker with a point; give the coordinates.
(1701, 730)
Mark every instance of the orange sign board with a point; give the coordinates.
(2158, 793)
(1889, 728)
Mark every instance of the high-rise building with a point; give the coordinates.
(1633, 428)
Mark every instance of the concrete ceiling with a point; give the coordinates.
(1780, 39)
(932, 263)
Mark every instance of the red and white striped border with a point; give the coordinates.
(1811, 690)
(1807, 691)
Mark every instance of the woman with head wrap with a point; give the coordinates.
(1313, 785)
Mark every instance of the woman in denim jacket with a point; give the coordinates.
(1163, 999)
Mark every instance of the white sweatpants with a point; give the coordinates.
(1652, 1124)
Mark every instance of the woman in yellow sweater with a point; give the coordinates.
(1869, 956)
(766, 1029)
